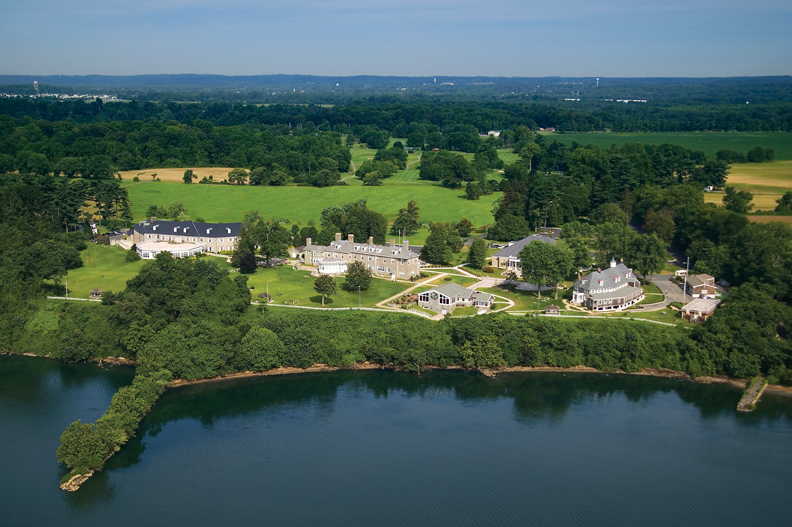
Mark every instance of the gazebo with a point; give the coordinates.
(96, 293)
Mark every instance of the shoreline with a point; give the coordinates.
(737, 382)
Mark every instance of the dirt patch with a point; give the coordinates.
(177, 174)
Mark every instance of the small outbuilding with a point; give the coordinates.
(265, 296)
(699, 310)
(96, 293)
(552, 310)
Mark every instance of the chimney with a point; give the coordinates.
(338, 237)
(371, 240)
(153, 219)
(307, 242)
(351, 238)
(406, 245)
(392, 242)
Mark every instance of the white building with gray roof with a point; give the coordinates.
(389, 261)
(610, 289)
(445, 298)
(509, 257)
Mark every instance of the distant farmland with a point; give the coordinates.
(707, 142)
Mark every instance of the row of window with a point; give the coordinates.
(179, 238)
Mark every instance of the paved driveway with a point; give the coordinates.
(666, 284)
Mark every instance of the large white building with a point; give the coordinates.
(611, 289)
(390, 261)
(184, 238)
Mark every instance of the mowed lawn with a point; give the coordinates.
(707, 142)
(290, 287)
(104, 267)
(228, 203)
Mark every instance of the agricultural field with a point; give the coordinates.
(176, 174)
(707, 142)
(766, 181)
(227, 203)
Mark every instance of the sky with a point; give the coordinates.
(512, 38)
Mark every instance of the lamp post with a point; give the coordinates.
(358, 297)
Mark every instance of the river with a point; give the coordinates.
(386, 448)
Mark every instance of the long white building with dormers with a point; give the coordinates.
(396, 262)
(611, 289)
(184, 239)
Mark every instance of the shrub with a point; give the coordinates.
(488, 269)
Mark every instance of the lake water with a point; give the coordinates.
(385, 448)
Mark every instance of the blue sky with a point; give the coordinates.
(535, 38)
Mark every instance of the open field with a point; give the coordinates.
(176, 174)
(103, 267)
(707, 142)
(226, 203)
(766, 181)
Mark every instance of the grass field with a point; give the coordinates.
(768, 219)
(103, 267)
(298, 285)
(707, 142)
(227, 203)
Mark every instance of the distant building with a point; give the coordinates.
(611, 289)
(494, 133)
(390, 261)
(447, 297)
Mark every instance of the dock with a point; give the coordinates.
(753, 392)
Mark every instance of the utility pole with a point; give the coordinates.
(687, 271)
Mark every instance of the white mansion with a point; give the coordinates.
(610, 289)
(392, 261)
(183, 239)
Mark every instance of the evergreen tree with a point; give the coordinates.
(358, 277)
(406, 222)
(477, 256)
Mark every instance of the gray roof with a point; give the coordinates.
(481, 297)
(385, 251)
(619, 293)
(514, 248)
(452, 289)
(607, 275)
(190, 228)
(699, 279)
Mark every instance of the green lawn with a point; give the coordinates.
(707, 142)
(465, 281)
(526, 301)
(403, 176)
(464, 311)
(507, 155)
(228, 203)
(298, 285)
(103, 267)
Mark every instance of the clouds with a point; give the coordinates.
(409, 37)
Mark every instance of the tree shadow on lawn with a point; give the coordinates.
(318, 300)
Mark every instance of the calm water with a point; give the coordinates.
(384, 448)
